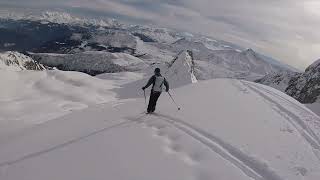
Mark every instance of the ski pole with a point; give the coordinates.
(174, 101)
(145, 97)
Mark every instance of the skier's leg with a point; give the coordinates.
(151, 102)
(156, 97)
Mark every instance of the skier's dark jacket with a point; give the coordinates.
(152, 81)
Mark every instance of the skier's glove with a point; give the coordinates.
(143, 88)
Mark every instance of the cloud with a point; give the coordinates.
(285, 29)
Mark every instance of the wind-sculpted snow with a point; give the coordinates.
(32, 97)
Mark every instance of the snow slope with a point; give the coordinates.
(33, 97)
(315, 107)
(227, 129)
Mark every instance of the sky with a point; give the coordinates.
(284, 29)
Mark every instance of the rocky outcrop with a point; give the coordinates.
(11, 60)
(306, 87)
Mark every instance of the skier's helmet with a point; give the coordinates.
(157, 70)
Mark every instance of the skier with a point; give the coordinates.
(157, 80)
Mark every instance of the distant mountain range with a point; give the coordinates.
(66, 42)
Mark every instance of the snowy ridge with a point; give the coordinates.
(308, 127)
(181, 69)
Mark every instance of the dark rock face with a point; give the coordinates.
(20, 61)
(279, 80)
(306, 87)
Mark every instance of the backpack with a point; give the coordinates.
(157, 86)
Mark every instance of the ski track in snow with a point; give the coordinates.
(304, 130)
(5, 164)
(250, 166)
(236, 84)
(304, 112)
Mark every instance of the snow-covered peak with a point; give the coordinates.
(58, 17)
(249, 53)
(11, 60)
(66, 18)
(181, 69)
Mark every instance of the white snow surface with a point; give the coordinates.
(315, 107)
(33, 97)
(226, 129)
